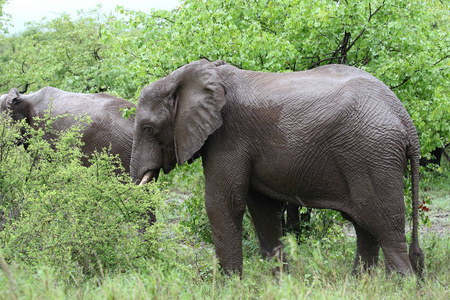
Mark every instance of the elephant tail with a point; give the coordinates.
(415, 253)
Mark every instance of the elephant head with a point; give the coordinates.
(8, 104)
(174, 118)
(8, 101)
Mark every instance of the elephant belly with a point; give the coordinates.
(314, 186)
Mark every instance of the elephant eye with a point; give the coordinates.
(148, 130)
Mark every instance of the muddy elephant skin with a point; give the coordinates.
(107, 129)
(332, 137)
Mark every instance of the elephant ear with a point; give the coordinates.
(12, 97)
(199, 97)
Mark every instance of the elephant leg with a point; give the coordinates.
(389, 233)
(267, 215)
(393, 244)
(292, 218)
(226, 193)
(226, 228)
(367, 250)
(378, 216)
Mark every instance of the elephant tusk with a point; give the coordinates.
(146, 178)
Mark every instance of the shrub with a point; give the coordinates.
(57, 212)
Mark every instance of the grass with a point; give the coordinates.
(319, 269)
(438, 190)
(315, 274)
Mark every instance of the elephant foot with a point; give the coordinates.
(397, 259)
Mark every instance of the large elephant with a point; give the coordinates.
(332, 137)
(107, 129)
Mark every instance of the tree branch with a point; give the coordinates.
(402, 83)
(23, 65)
(374, 13)
(25, 88)
(357, 38)
(442, 59)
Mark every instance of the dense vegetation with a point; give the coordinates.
(66, 229)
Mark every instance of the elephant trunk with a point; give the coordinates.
(144, 165)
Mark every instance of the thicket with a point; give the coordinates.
(56, 212)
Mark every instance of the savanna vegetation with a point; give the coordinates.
(70, 231)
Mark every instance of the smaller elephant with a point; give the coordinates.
(107, 129)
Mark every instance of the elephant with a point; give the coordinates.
(333, 137)
(107, 129)
(296, 220)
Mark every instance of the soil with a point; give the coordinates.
(439, 224)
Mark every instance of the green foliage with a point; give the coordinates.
(324, 225)
(187, 183)
(193, 211)
(404, 44)
(56, 212)
(128, 112)
(65, 53)
(4, 18)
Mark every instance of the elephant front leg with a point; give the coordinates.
(225, 213)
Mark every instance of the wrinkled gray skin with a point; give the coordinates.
(108, 127)
(333, 137)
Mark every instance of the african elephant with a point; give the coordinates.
(107, 129)
(332, 137)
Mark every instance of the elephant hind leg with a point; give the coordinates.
(266, 214)
(389, 233)
(367, 250)
(378, 214)
(393, 243)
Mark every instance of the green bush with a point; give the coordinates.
(56, 212)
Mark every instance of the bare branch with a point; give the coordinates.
(442, 59)
(357, 38)
(374, 13)
(27, 85)
(402, 83)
